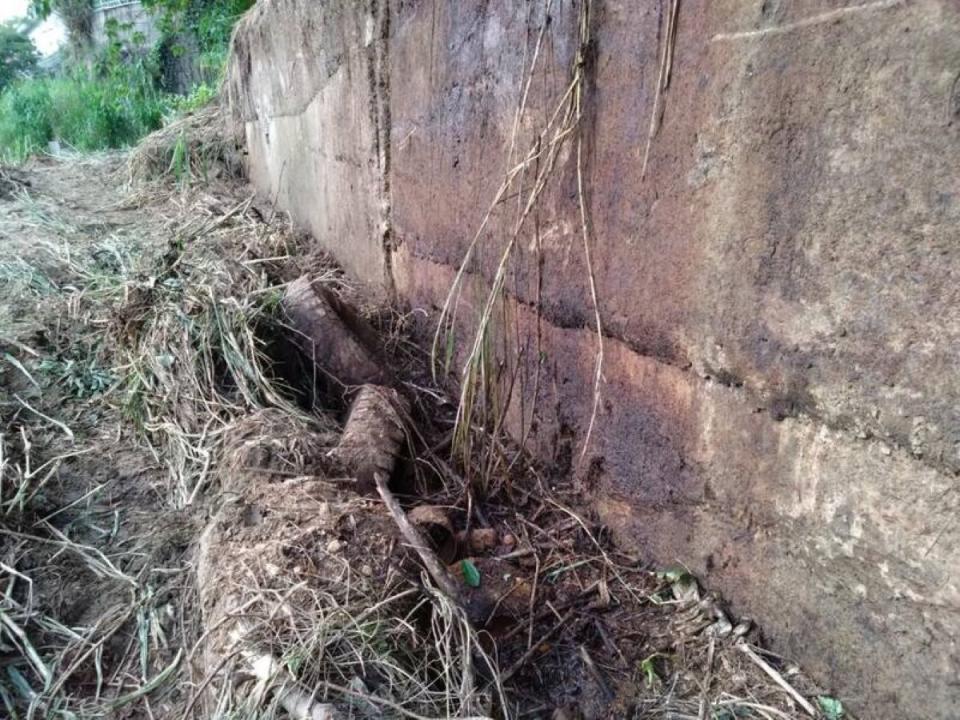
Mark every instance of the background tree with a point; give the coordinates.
(18, 55)
(77, 15)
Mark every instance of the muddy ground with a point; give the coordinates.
(180, 537)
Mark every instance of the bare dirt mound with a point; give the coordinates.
(187, 529)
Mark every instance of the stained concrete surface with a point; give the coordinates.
(778, 293)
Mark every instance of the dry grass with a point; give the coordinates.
(486, 381)
(195, 346)
(669, 41)
(192, 150)
(61, 533)
(101, 322)
(298, 591)
(47, 657)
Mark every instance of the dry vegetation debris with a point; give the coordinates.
(185, 528)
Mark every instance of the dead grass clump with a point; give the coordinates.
(197, 338)
(308, 600)
(193, 148)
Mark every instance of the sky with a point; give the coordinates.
(13, 8)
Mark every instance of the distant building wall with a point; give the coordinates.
(124, 12)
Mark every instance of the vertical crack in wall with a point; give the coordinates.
(378, 49)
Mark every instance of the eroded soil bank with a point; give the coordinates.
(188, 526)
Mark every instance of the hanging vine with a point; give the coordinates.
(481, 404)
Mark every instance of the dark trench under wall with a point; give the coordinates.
(778, 291)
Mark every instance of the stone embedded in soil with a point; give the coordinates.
(479, 540)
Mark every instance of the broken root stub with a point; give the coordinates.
(327, 337)
(373, 435)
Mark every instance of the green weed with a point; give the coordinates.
(180, 164)
(83, 111)
(82, 377)
(26, 120)
(201, 96)
(21, 274)
(115, 100)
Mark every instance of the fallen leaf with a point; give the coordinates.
(831, 707)
(471, 575)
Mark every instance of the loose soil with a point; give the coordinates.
(180, 537)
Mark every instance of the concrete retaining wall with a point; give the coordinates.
(779, 292)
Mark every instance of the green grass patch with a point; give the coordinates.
(116, 100)
(83, 111)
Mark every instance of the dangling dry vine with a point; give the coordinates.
(478, 383)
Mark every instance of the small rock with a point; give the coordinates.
(483, 539)
(334, 546)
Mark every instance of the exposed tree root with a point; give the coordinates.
(325, 337)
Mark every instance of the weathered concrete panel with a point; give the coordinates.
(303, 85)
(779, 292)
(132, 17)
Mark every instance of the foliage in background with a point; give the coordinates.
(18, 56)
(77, 15)
(200, 26)
(111, 103)
(113, 97)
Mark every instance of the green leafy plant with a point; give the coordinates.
(649, 670)
(26, 119)
(202, 95)
(18, 55)
(112, 99)
(831, 707)
(111, 103)
(83, 377)
(205, 25)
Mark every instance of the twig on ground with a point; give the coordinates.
(707, 679)
(518, 665)
(430, 560)
(595, 673)
(777, 678)
(66, 431)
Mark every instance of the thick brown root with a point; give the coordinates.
(373, 436)
(328, 335)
